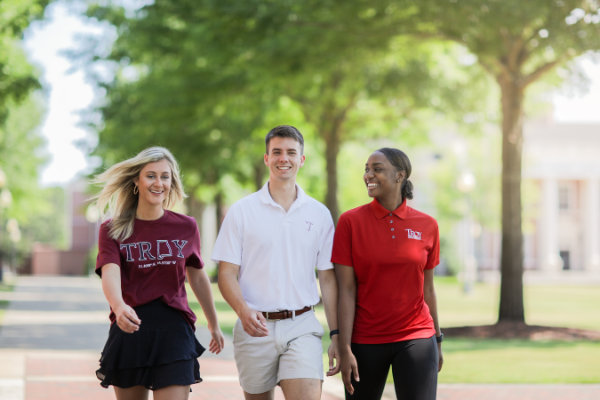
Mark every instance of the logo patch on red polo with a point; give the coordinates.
(413, 234)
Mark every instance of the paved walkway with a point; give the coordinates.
(55, 327)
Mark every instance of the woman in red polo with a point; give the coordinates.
(384, 254)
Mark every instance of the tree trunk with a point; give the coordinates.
(195, 208)
(259, 174)
(332, 149)
(219, 205)
(511, 259)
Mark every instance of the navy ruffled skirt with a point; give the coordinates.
(162, 353)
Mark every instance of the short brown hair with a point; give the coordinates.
(285, 131)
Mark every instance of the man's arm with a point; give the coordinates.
(329, 292)
(253, 321)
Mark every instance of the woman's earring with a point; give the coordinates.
(135, 190)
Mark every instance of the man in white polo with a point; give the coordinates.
(268, 248)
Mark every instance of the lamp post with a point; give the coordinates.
(14, 234)
(5, 200)
(466, 184)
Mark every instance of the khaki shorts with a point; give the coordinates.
(292, 350)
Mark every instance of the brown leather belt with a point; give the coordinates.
(284, 314)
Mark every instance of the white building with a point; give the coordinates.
(561, 162)
(564, 161)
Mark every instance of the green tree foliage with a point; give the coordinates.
(171, 89)
(15, 83)
(517, 43)
(21, 199)
(205, 73)
(206, 78)
(346, 83)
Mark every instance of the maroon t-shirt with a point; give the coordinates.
(153, 260)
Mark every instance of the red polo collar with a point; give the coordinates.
(381, 212)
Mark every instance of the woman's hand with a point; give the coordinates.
(127, 319)
(125, 316)
(349, 369)
(217, 341)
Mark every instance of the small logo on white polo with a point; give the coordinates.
(309, 225)
(413, 234)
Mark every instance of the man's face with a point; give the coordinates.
(284, 158)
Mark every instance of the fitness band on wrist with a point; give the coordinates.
(334, 332)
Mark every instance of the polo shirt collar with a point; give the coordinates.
(266, 198)
(381, 212)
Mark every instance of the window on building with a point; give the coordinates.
(566, 259)
(563, 196)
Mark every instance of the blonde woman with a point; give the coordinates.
(145, 252)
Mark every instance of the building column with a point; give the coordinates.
(549, 260)
(591, 225)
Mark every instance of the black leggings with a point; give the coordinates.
(414, 367)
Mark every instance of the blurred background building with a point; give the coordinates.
(77, 258)
(562, 228)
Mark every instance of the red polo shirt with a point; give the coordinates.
(389, 252)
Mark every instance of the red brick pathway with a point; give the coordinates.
(70, 376)
(55, 326)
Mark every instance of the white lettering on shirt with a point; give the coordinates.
(413, 234)
(160, 255)
(180, 247)
(146, 250)
(309, 225)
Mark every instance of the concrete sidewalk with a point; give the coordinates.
(55, 327)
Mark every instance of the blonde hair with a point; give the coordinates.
(117, 199)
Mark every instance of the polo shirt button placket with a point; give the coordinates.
(392, 229)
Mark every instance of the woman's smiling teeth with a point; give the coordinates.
(371, 185)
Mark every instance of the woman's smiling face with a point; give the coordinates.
(381, 177)
(154, 183)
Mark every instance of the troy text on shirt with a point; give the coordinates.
(413, 234)
(144, 250)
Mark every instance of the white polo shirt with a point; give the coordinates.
(277, 251)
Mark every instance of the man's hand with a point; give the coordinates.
(254, 323)
(334, 356)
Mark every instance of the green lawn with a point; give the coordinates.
(573, 306)
(520, 361)
(502, 361)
